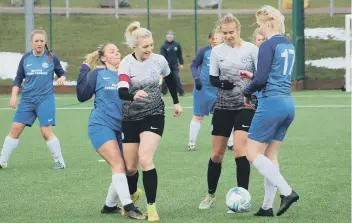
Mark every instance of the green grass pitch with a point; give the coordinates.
(314, 159)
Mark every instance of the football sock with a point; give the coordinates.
(112, 197)
(242, 171)
(8, 147)
(194, 128)
(214, 171)
(55, 148)
(119, 180)
(150, 183)
(132, 180)
(270, 192)
(269, 171)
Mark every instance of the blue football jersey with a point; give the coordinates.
(107, 103)
(200, 66)
(38, 74)
(275, 66)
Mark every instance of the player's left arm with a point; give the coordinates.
(59, 71)
(170, 81)
(171, 84)
(196, 63)
(265, 57)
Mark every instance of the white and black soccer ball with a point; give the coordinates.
(238, 199)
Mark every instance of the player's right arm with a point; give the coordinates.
(20, 75)
(124, 83)
(85, 89)
(196, 63)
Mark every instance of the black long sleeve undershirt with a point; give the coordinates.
(225, 84)
(125, 94)
(171, 84)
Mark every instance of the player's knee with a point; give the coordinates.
(47, 133)
(118, 167)
(16, 131)
(217, 158)
(131, 169)
(239, 150)
(251, 154)
(145, 162)
(198, 118)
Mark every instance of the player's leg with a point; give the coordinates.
(222, 124)
(10, 143)
(203, 105)
(24, 116)
(130, 153)
(110, 206)
(270, 190)
(194, 128)
(243, 121)
(270, 120)
(266, 210)
(286, 199)
(46, 112)
(149, 142)
(106, 145)
(272, 174)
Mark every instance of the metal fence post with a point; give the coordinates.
(169, 9)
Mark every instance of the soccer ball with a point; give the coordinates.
(238, 199)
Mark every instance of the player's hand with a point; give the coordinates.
(246, 74)
(199, 84)
(180, 67)
(247, 103)
(13, 102)
(177, 110)
(61, 80)
(227, 85)
(140, 95)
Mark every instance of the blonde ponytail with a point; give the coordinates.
(134, 31)
(92, 59)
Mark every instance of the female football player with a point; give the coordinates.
(276, 109)
(105, 122)
(204, 93)
(37, 98)
(257, 37)
(143, 113)
(226, 60)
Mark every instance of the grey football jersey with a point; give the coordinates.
(144, 76)
(226, 62)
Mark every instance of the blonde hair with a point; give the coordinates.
(226, 19)
(270, 14)
(92, 59)
(133, 32)
(255, 33)
(39, 31)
